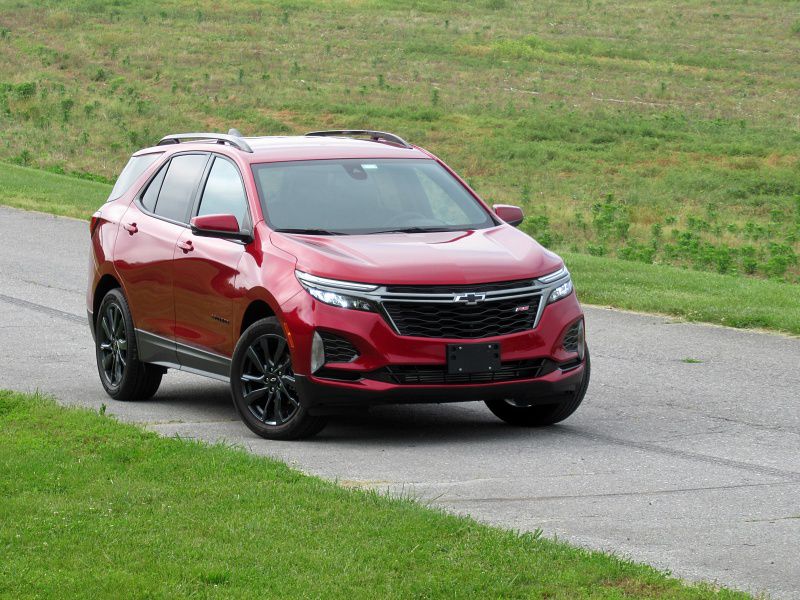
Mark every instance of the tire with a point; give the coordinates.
(262, 385)
(542, 415)
(123, 375)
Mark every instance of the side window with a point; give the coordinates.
(224, 193)
(182, 176)
(135, 167)
(150, 196)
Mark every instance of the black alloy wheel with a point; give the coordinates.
(268, 381)
(123, 375)
(113, 344)
(263, 385)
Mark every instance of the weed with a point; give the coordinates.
(66, 107)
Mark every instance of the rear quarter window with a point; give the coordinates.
(132, 171)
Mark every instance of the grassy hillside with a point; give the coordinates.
(655, 132)
(87, 512)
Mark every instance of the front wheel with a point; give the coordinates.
(263, 385)
(541, 415)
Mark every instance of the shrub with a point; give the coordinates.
(538, 227)
(610, 219)
(25, 91)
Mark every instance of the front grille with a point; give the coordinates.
(438, 375)
(337, 349)
(460, 289)
(461, 321)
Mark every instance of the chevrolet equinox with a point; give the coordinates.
(324, 272)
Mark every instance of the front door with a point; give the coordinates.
(205, 275)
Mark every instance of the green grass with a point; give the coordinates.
(96, 509)
(661, 133)
(33, 189)
(691, 295)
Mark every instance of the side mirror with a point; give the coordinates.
(510, 214)
(219, 226)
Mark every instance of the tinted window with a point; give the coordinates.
(179, 184)
(224, 192)
(149, 197)
(135, 167)
(366, 196)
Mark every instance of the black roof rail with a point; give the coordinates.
(221, 138)
(375, 136)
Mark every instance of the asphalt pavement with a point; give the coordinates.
(685, 454)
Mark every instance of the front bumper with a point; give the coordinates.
(319, 394)
(379, 346)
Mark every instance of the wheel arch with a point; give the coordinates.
(107, 283)
(256, 310)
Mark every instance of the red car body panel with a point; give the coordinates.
(199, 298)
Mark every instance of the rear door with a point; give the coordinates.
(145, 249)
(205, 274)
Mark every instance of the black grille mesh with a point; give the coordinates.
(571, 338)
(437, 374)
(337, 349)
(460, 321)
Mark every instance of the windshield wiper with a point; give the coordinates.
(311, 231)
(414, 230)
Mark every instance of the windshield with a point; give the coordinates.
(366, 196)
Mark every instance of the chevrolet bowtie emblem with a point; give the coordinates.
(470, 298)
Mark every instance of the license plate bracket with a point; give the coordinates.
(473, 358)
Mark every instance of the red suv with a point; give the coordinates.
(324, 272)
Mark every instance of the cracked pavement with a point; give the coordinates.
(693, 467)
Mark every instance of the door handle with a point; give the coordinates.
(186, 246)
(130, 227)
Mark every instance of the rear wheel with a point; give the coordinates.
(541, 415)
(263, 385)
(123, 376)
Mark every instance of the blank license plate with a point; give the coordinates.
(473, 358)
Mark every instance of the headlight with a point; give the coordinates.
(564, 281)
(331, 291)
(340, 300)
(565, 289)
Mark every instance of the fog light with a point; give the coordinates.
(317, 353)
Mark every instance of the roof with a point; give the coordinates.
(282, 148)
(287, 148)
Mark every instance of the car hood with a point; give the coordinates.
(464, 257)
